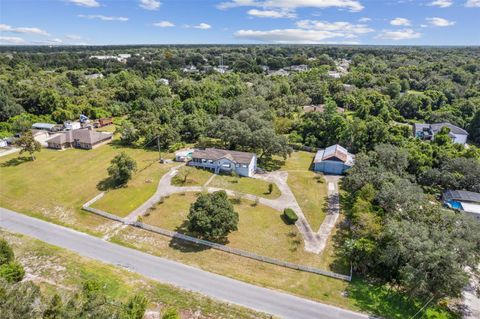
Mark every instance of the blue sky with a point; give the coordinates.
(398, 22)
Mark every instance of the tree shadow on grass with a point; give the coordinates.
(107, 184)
(185, 246)
(16, 161)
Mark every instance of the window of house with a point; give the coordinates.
(226, 165)
(210, 161)
(244, 165)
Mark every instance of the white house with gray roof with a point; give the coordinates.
(428, 132)
(218, 160)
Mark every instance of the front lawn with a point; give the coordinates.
(260, 228)
(191, 176)
(122, 201)
(246, 185)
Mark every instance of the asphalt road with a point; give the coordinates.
(167, 271)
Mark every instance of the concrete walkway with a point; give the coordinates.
(315, 242)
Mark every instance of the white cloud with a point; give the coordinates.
(346, 29)
(440, 22)
(150, 4)
(202, 26)
(11, 40)
(396, 35)
(102, 17)
(29, 30)
(364, 19)
(85, 3)
(271, 13)
(287, 35)
(164, 24)
(441, 3)
(352, 5)
(472, 4)
(400, 21)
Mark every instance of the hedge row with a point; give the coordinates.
(290, 215)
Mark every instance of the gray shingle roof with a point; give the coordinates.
(462, 196)
(216, 154)
(83, 136)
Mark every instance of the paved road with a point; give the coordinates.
(167, 271)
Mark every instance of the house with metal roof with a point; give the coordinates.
(428, 132)
(334, 159)
(83, 138)
(218, 160)
(45, 126)
(468, 202)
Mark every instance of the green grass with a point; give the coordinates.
(309, 187)
(310, 190)
(56, 185)
(124, 200)
(191, 176)
(58, 270)
(246, 185)
(261, 229)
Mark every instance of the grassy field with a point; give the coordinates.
(260, 228)
(191, 176)
(245, 185)
(309, 187)
(122, 201)
(57, 270)
(58, 183)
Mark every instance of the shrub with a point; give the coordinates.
(290, 216)
(171, 313)
(12, 272)
(6, 252)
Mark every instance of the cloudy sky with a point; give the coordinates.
(398, 22)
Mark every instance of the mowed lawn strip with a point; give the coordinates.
(246, 185)
(260, 229)
(191, 176)
(61, 270)
(309, 187)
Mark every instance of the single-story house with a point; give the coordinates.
(218, 160)
(468, 202)
(183, 155)
(84, 138)
(333, 160)
(428, 132)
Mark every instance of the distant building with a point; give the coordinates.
(333, 160)
(280, 72)
(163, 81)
(183, 155)
(84, 138)
(334, 74)
(428, 132)
(45, 126)
(221, 69)
(468, 202)
(190, 69)
(298, 68)
(94, 76)
(103, 122)
(69, 125)
(218, 160)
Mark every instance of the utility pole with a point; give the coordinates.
(159, 151)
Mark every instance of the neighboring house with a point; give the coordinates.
(468, 202)
(45, 126)
(280, 72)
(103, 122)
(70, 126)
(333, 160)
(334, 74)
(84, 138)
(94, 76)
(190, 69)
(41, 136)
(244, 164)
(428, 132)
(183, 155)
(298, 68)
(163, 81)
